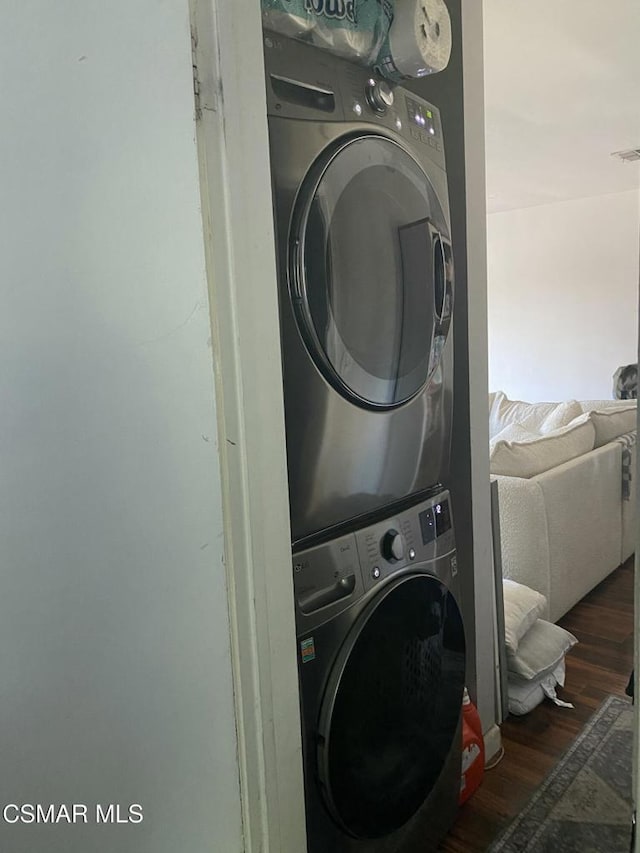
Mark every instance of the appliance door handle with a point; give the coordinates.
(449, 277)
(442, 276)
(327, 595)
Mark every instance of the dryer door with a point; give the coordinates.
(391, 707)
(370, 271)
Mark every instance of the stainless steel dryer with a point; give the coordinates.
(366, 286)
(381, 660)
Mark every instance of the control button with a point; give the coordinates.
(379, 95)
(398, 124)
(393, 546)
(375, 573)
(357, 108)
(412, 553)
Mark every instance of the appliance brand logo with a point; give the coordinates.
(340, 10)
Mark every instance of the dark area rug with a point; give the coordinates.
(584, 806)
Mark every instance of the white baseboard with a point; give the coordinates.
(492, 743)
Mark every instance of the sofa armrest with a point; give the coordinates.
(523, 533)
(582, 500)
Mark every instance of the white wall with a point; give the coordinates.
(563, 297)
(115, 676)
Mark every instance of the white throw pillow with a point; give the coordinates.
(516, 452)
(562, 415)
(535, 417)
(524, 696)
(504, 412)
(522, 607)
(540, 650)
(514, 432)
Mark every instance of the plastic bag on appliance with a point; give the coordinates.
(354, 29)
(289, 17)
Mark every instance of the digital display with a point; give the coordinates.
(427, 526)
(421, 116)
(443, 517)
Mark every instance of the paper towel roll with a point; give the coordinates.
(419, 40)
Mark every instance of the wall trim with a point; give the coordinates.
(492, 743)
(239, 246)
(474, 130)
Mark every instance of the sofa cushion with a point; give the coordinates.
(541, 650)
(522, 607)
(590, 405)
(535, 417)
(611, 421)
(516, 452)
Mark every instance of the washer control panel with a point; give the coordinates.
(420, 534)
(330, 577)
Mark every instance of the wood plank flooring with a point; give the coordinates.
(599, 665)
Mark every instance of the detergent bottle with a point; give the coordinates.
(472, 749)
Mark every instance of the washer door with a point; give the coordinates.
(391, 707)
(371, 271)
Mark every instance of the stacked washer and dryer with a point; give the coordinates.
(366, 300)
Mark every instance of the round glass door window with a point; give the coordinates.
(391, 708)
(368, 281)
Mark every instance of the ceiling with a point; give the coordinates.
(562, 92)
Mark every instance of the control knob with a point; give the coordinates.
(379, 96)
(393, 546)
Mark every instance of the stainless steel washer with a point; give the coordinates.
(381, 654)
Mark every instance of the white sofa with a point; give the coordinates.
(566, 505)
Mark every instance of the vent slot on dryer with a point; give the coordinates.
(303, 94)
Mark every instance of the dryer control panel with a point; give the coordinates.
(307, 83)
(330, 577)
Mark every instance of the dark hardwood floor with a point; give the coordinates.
(598, 666)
